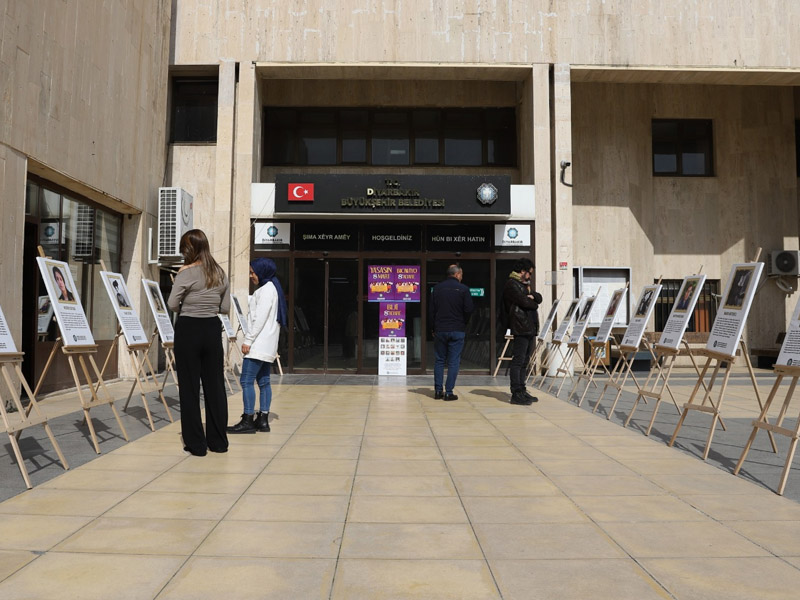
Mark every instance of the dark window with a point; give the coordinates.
(390, 139)
(682, 147)
(194, 109)
(426, 125)
(463, 138)
(705, 310)
(382, 137)
(317, 135)
(354, 136)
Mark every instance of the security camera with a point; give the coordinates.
(565, 164)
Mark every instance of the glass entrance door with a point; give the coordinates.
(326, 313)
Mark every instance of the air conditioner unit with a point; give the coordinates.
(83, 232)
(784, 262)
(175, 217)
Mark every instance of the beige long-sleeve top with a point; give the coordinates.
(191, 298)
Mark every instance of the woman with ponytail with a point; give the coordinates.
(199, 294)
(260, 348)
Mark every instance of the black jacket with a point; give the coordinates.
(521, 311)
(450, 307)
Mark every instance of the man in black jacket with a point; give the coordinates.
(449, 310)
(521, 304)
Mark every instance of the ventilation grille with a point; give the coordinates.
(83, 244)
(168, 215)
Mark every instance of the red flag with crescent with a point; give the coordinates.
(301, 192)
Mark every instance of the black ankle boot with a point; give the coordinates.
(261, 422)
(246, 425)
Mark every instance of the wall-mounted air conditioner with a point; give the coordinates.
(175, 217)
(83, 232)
(784, 262)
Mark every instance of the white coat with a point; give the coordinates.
(262, 322)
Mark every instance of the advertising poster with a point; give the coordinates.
(407, 281)
(392, 356)
(380, 283)
(790, 349)
(611, 314)
(641, 315)
(548, 322)
(159, 309)
(682, 311)
(574, 307)
(121, 301)
(734, 308)
(44, 314)
(237, 308)
(230, 332)
(67, 305)
(7, 345)
(392, 319)
(582, 321)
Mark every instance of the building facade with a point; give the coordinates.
(623, 137)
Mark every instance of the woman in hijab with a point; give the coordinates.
(260, 348)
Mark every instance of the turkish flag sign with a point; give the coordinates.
(301, 192)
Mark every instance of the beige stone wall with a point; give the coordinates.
(12, 224)
(83, 88)
(732, 33)
(671, 226)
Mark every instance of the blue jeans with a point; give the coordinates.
(447, 346)
(255, 371)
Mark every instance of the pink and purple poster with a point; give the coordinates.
(407, 283)
(380, 283)
(392, 320)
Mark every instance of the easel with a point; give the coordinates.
(728, 361)
(138, 355)
(714, 409)
(232, 347)
(555, 348)
(83, 353)
(564, 367)
(762, 423)
(662, 373)
(596, 352)
(508, 338)
(11, 362)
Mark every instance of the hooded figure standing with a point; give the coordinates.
(260, 347)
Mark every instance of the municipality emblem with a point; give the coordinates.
(487, 194)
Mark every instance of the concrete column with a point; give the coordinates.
(561, 209)
(246, 164)
(220, 232)
(13, 176)
(542, 179)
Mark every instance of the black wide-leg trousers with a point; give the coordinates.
(199, 357)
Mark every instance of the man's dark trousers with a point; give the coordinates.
(522, 347)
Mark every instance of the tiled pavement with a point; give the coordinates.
(368, 488)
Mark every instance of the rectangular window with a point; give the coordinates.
(390, 139)
(682, 147)
(194, 109)
(397, 137)
(705, 310)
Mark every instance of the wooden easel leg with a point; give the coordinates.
(155, 384)
(84, 405)
(758, 393)
(35, 406)
(665, 386)
(762, 416)
(136, 362)
(110, 400)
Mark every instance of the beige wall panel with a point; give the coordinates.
(731, 33)
(192, 167)
(84, 90)
(670, 226)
